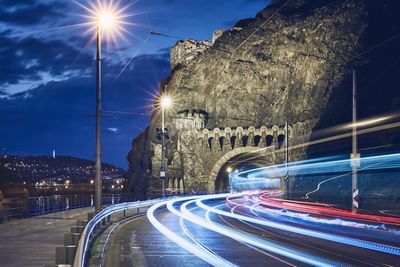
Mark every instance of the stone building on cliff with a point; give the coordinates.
(233, 95)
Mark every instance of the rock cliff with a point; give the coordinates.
(283, 65)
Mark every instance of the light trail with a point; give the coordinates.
(250, 246)
(187, 245)
(291, 239)
(248, 238)
(264, 177)
(306, 232)
(196, 210)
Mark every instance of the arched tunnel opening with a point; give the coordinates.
(239, 163)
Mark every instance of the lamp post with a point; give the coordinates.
(166, 102)
(97, 180)
(105, 20)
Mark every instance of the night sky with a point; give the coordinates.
(47, 70)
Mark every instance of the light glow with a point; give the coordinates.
(106, 20)
(166, 102)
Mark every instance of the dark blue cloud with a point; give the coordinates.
(28, 12)
(26, 58)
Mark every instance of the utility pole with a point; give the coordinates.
(354, 156)
(97, 180)
(286, 158)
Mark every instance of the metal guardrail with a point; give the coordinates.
(87, 234)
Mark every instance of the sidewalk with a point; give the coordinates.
(32, 241)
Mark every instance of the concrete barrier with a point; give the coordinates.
(71, 250)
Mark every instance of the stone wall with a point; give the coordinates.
(184, 51)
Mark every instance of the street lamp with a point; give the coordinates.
(165, 103)
(105, 21)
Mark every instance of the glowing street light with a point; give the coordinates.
(229, 169)
(165, 103)
(106, 20)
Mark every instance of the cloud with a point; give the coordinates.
(114, 130)
(27, 12)
(31, 59)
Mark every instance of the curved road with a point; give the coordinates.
(254, 229)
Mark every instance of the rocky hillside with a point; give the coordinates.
(283, 65)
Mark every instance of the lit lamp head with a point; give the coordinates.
(229, 170)
(166, 102)
(106, 20)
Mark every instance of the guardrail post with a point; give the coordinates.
(70, 254)
(77, 229)
(61, 255)
(81, 223)
(71, 239)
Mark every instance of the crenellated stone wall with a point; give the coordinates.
(200, 152)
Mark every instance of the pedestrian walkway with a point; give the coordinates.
(32, 241)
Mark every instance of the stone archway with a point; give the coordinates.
(229, 155)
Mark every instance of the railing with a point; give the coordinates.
(14, 208)
(88, 232)
(49, 204)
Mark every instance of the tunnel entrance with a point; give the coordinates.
(239, 162)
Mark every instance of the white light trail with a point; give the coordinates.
(192, 248)
(245, 237)
(302, 231)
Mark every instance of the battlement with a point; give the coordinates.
(191, 119)
(228, 138)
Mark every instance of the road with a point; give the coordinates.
(253, 229)
(32, 241)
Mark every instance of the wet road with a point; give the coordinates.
(242, 230)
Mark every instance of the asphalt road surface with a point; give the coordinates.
(184, 233)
